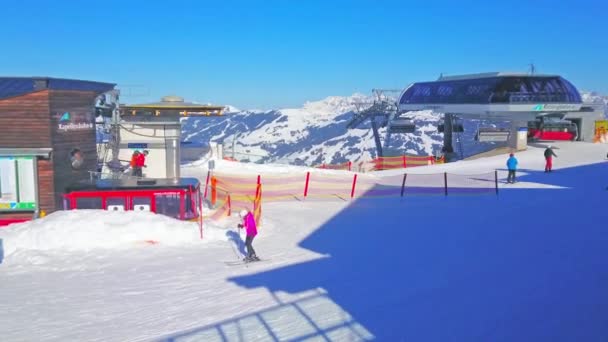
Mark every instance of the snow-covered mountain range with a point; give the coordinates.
(317, 133)
(314, 134)
(593, 97)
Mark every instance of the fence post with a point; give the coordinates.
(207, 184)
(306, 184)
(403, 184)
(213, 191)
(352, 191)
(200, 208)
(257, 205)
(259, 181)
(496, 180)
(445, 178)
(229, 206)
(350, 164)
(404, 162)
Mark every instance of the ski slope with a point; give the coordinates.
(530, 264)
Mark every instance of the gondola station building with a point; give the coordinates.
(47, 141)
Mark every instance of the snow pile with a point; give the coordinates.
(83, 230)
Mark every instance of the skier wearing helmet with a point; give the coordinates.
(549, 154)
(251, 231)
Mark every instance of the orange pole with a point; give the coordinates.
(213, 190)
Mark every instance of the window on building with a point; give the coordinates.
(191, 205)
(516, 89)
(141, 203)
(66, 204)
(88, 203)
(168, 204)
(115, 204)
(17, 183)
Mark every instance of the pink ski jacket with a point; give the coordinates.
(249, 223)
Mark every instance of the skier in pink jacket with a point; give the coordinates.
(252, 231)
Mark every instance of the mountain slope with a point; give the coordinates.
(311, 135)
(316, 133)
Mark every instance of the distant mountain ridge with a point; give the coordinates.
(316, 133)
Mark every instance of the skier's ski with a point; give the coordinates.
(241, 262)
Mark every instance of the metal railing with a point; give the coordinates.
(94, 175)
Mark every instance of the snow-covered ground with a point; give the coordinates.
(530, 264)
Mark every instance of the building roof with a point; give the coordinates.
(175, 103)
(15, 86)
(492, 88)
(25, 152)
(133, 184)
(490, 74)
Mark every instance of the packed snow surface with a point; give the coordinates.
(83, 230)
(527, 264)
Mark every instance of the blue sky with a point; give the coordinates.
(270, 54)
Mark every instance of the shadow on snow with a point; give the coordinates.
(527, 265)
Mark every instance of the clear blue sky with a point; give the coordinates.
(269, 54)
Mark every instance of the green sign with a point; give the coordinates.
(18, 206)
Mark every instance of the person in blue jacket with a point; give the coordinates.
(512, 166)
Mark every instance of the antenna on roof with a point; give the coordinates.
(532, 69)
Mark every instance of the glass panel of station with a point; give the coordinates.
(508, 89)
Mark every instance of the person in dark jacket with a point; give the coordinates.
(512, 166)
(549, 154)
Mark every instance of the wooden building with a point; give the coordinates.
(47, 141)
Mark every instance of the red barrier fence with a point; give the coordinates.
(245, 191)
(343, 166)
(385, 163)
(402, 162)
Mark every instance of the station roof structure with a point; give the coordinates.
(17, 86)
(172, 106)
(498, 95)
(133, 184)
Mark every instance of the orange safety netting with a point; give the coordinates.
(222, 204)
(401, 162)
(236, 192)
(380, 163)
(257, 206)
(311, 185)
(385, 163)
(342, 166)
